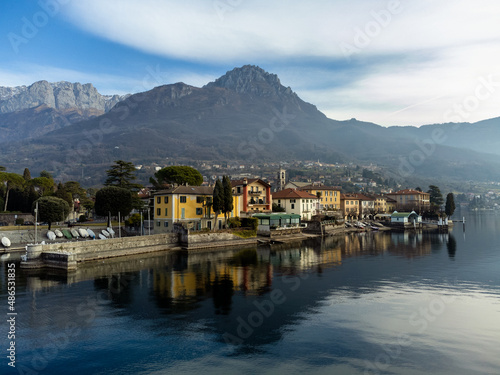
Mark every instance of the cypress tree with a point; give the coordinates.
(218, 200)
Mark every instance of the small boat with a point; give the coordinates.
(58, 233)
(74, 233)
(106, 233)
(102, 236)
(67, 234)
(111, 231)
(6, 242)
(51, 235)
(91, 233)
(83, 232)
(374, 227)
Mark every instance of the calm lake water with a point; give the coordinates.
(388, 303)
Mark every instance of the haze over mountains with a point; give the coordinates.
(245, 115)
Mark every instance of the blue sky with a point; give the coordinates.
(393, 62)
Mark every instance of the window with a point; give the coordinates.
(165, 200)
(165, 224)
(166, 211)
(199, 211)
(158, 211)
(183, 199)
(238, 190)
(199, 200)
(158, 200)
(293, 206)
(158, 224)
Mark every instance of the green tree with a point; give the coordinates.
(51, 209)
(218, 200)
(27, 174)
(62, 193)
(122, 175)
(11, 181)
(43, 185)
(436, 197)
(46, 174)
(2, 168)
(180, 175)
(449, 208)
(228, 198)
(111, 200)
(277, 208)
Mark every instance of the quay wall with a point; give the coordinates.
(98, 249)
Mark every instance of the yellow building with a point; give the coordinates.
(329, 196)
(189, 205)
(256, 195)
(411, 200)
(349, 204)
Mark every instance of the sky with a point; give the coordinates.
(407, 62)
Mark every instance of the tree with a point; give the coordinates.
(218, 200)
(122, 175)
(277, 208)
(43, 185)
(180, 175)
(2, 168)
(111, 200)
(11, 180)
(51, 209)
(46, 174)
(436, 197)
(27, 174)
(228, 197)
(418, 188)
(449, 208)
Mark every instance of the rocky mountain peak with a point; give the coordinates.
(252, 80)
(59, 95)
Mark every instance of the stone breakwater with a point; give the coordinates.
(67, 255)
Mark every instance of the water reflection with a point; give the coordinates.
(320, 301)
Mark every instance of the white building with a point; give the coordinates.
(297, 202)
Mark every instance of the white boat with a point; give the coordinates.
(105, 232)
(51, 235)
(5, 242)
(91, 233)
(74, 233)
(83, 232)
(102, 236)
(58, 233)
(111, 231)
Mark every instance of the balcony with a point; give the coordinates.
(254, 192)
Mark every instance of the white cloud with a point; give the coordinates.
(413, 62)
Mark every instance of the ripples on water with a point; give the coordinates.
(359, 304)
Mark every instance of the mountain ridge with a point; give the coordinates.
(248, 115)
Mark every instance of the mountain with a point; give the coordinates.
(245, 115)
(27, 112)
(58, 95)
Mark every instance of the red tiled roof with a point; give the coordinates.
(314, 187)
(408, 192)
(235, 183)
(293, 194)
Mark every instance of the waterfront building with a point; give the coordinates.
(190, 205)
(256, 195)
(329, 196)
(411, 200)
(297, 202)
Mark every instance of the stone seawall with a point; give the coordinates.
(66, 255)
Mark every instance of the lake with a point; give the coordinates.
(370, 303)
